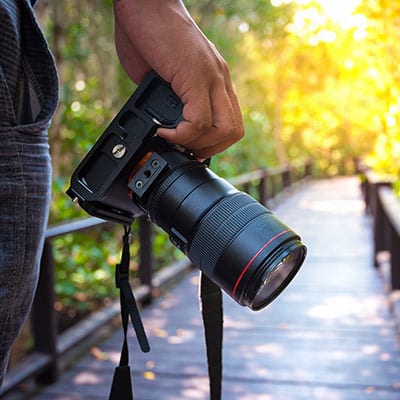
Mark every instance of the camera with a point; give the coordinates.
(232, 238)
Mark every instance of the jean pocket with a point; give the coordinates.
(38, 89)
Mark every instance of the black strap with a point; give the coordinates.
(211, 309)
(121, 388)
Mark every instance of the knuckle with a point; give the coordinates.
(240, 132)
(201, 125)
(236, 133)
(224, 69)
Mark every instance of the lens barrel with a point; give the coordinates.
(237, 242)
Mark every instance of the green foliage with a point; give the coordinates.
(311, 83)
(61, 207)
(245, 156)
(384, 45)
(385, 159)
(164, 252)
(85, 267)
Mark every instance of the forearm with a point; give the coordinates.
(161, 35)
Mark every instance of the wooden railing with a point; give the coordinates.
(384, 208)
(43, 363)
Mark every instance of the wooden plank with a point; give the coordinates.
(329, 336)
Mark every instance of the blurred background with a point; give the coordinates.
(316, 80)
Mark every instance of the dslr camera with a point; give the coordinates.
(232, 238)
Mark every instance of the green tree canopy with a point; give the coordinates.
(315, 79)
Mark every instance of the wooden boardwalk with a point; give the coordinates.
(329, 336)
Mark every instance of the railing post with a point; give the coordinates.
(380, 234)
(286, 177)
(394, 258)
(308, 168)
(246, 187)
(262, 189)
(272, 185)
(378, 223)
(44, 317)
(369, 194)
(146, 254)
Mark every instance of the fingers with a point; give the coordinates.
(212, 122)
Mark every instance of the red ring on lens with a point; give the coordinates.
(254, 257)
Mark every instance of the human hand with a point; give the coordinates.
(161, 35)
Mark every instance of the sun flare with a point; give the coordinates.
(341, 11)
(313, 16)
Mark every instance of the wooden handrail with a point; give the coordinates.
(73, 226)
(390, 206)
(384, 208)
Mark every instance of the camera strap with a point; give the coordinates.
(121, 388)
(211, 310)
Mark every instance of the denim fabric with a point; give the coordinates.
(25, 166)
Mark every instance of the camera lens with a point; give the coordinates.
(237, 242)
(246, 250)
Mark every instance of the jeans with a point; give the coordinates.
(27, 103)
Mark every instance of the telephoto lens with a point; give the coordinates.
(236, 241)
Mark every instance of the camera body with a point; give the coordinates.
(100, 182)
(236, 241)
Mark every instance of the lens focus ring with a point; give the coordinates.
(229, 216)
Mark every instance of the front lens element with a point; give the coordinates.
(277, 277)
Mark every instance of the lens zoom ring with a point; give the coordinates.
(231, 215)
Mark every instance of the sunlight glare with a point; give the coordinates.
(149, 375)
(310, 18)
(391, 121)
(243, 27)
(75, 106)
(278, 3)
(341, 11)
(87, 378)
(80, 85)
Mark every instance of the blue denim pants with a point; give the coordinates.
(28, 98)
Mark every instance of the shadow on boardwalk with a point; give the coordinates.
(329, 336)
